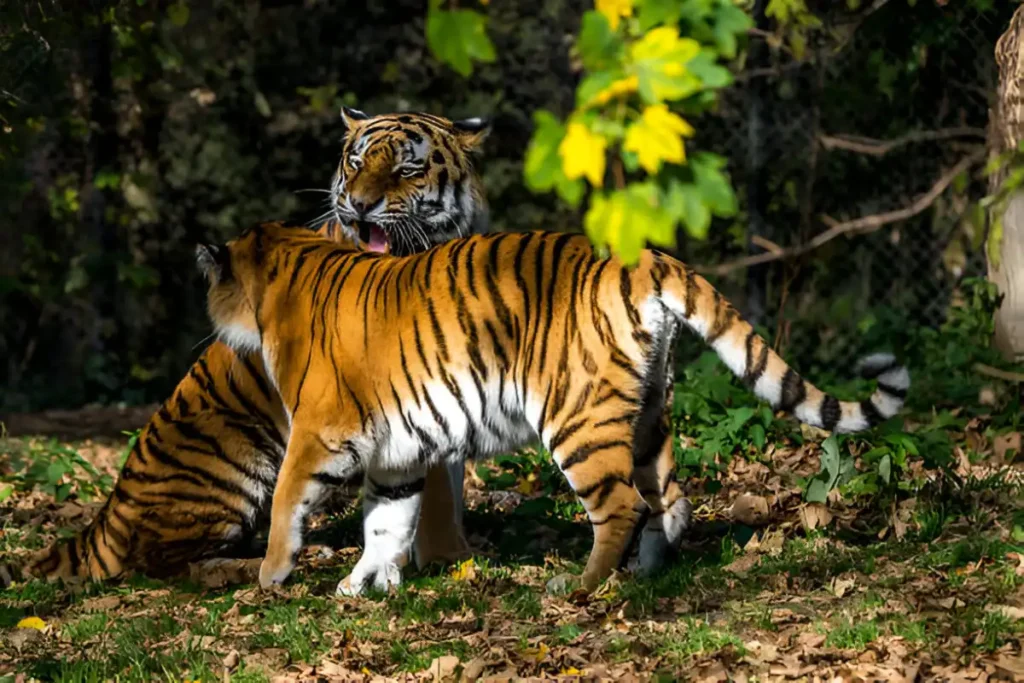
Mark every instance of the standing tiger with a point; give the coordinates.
(197, 483)
(389, 366)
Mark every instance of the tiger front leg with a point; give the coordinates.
(310, 467)
(391, 508)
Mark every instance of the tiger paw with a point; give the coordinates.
(382, 577)
(274, 574)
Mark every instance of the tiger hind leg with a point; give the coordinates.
(391, 509)
(599, 468)
(654, 472)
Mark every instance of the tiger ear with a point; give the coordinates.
(210, 259)
(471, 132)
(351, 117)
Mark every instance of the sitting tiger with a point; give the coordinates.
(388, 366)
(198, 482)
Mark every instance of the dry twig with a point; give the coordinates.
(878, 148)
(865, 224)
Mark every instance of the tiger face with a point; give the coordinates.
(405, 182)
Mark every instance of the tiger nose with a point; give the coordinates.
(364, 206)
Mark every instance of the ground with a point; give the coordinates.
(924, 581)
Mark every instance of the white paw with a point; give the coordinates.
(380, 576)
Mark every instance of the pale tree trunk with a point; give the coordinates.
(1006, 131)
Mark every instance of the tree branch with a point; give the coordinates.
(865, 224)
(878, 148)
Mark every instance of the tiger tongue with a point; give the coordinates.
(374, 237)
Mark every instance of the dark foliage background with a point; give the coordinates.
(133, 129)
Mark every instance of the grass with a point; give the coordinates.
(740, 597)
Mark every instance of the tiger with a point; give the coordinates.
(388, 366)
(198, 481)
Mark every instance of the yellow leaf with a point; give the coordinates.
(659, 61)
(623, 86)
(525, 485)
(539, 654)
(614, 10)
(32, 622)
(571, 671)
(464, 571)
(657, 137)
(582, 153)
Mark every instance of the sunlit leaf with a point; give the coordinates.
(614, 10)
(715, 189)
(598, 44)
(659, 61)
(685, 203)
(583, 154)
(658, 137)
(625, 220)
(458, 37)
(32, 622)
(543, 167)
(603, 87)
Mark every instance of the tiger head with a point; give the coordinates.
(405, 182)
(238, 278)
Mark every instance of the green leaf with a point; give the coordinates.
(624, 220)
(54, 472)
(885, 468)
(655, 12)
(659, 60)
(62, 492)
(715, 189)
(817, 491)
(757, 435)
(705, 66)
(730, 21)
(737, 418)
(6, 492)
(830, 459)
(599, 46)
(457, 37)
(594, 83)
(542, 169)
(178, 14)
(684, 202)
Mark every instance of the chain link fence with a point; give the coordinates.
(863, 138)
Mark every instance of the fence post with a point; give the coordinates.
(1006, 131)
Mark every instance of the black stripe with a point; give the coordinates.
(873, 372)
(871, 413)
(583, 453)
(396, 492)
(752, 374)
(793, 391)
(691, 293)
(892, 391)
(330, 479)
(603, 488)
(830, 412)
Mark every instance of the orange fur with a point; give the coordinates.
(390, 365)
(199, 480)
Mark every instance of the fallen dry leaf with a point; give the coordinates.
(750, 509)
(1004, 443)
(841, 586)
(220, 572)
(814, 516)
(443, 668)
(1008, 611)
(102, 604)
(231, 660)
(742, 564)
(32, 622)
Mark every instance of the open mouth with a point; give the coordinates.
(373, 237)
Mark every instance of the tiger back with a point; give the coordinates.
(483, 345)
(198, 482)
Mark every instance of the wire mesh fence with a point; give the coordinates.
(858, 168)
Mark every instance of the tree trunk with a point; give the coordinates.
(1006, 131)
